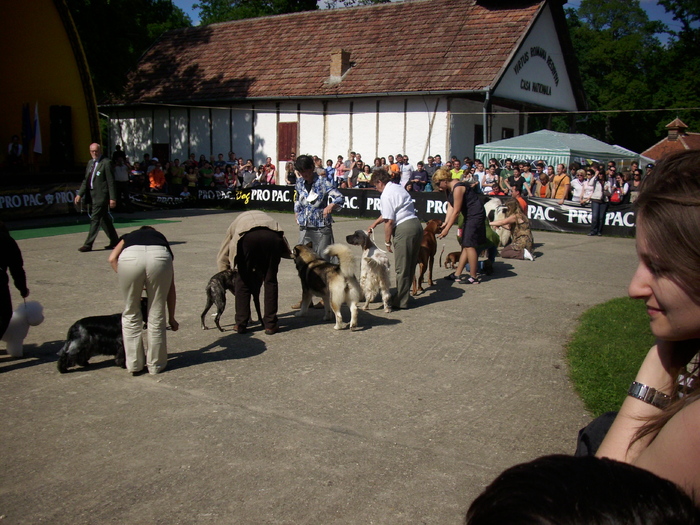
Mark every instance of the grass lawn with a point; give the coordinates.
(606, 351)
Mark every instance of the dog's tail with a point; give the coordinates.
(441, 252)
(345, 257)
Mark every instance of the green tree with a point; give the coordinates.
(618, 54)
(212, 11)
(687, 12)
(115, 33)
(681, 67)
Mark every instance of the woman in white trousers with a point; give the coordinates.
(143, 259)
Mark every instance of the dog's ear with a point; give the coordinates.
(309, 245)
(366, 241)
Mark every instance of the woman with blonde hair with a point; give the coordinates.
(462, 198)
(658, 426)
(521, 235)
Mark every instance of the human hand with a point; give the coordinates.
(388, 248)
(25, 293)
(443, 233)
(112, 204)
(174, 325)
(77, 199)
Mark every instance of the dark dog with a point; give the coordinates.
(216, 294)
(97, 335)
(451, 260)
(334, 283)
(374, 269)
(426, 255)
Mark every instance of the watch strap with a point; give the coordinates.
(649, 395)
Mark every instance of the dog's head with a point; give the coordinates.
(497, 213)
(359, 238)
(304, 253)
(433, 226)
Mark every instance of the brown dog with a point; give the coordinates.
(451, 260)
(426, 255)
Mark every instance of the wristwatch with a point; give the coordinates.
(648, 395)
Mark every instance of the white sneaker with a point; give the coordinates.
(527, 255)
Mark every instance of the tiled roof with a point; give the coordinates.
(401, 47)
(665, 147)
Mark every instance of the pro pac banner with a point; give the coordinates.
(36, 201)
(544, 214)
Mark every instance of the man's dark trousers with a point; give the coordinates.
(257, 259)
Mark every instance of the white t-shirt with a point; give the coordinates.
(121, 173)
(397, 204)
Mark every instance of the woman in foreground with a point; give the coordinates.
(658, 426)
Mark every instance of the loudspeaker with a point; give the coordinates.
(61, 149)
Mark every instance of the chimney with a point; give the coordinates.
(676, 129)
(340, 62)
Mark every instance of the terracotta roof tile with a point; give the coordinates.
(289, 55)
(661, 149)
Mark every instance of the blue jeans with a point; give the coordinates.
(598, 211)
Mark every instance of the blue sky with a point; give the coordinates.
(653, 9)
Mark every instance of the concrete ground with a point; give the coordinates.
(403, 421)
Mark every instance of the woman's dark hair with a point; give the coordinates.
(304, 163)
(568, 490)
(146, 227)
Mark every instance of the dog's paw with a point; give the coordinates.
(340, 326)
(388, 309)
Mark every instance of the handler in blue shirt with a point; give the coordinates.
(316, 200)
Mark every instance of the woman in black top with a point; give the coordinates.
(143, 259)
(462, 198)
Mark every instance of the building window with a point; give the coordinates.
(478, 134)
(507, 133)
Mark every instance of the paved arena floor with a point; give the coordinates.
(403, 421)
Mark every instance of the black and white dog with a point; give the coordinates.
(96, 335)
(216, 294)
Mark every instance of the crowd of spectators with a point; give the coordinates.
(500, 179)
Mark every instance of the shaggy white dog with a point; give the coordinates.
(374, 269)
(25, 315)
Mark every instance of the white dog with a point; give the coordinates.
(374, 269)
(27, 314)
(496, 211)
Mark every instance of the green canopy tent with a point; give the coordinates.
(555, 148)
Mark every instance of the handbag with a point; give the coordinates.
(616, 197)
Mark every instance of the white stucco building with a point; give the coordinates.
(421, 77)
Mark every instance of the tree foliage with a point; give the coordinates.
(212, 11)
(627, 72)
(115, 33)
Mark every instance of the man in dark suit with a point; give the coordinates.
(99, 180)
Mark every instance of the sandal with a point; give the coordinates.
(453, 277)
(469, 280)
